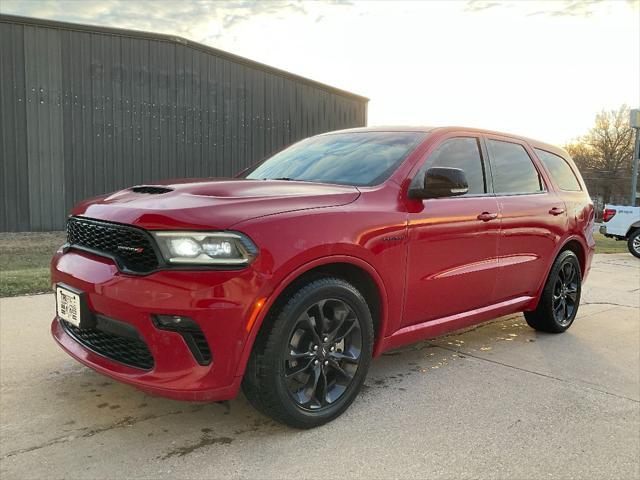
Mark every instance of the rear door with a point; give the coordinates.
(533, 217)
(453, 242)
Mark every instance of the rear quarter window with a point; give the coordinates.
(559, 170)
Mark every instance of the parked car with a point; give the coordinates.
(623, 223)
(288, 279)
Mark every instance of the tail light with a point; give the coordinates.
(608, 214)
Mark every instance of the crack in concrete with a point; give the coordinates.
(205, 441)
(587, 315)
(544, 375)
(615, 264)
(613, 304)
(125, 422)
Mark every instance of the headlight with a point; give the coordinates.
(206, 248)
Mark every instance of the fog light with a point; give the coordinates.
(190, 332)
(175, 322)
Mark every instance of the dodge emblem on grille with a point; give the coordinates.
(130, 249)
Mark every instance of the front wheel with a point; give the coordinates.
(312, 358)
(634, 243)
(560, 298)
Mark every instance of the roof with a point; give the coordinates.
(39, 22)
(385, 128)
(444, 129)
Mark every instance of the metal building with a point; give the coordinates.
(88, 110)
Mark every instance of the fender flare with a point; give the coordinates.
(561, 245)
(632, 228)
(300, 270)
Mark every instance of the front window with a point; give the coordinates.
(357, 158)
(462, 153)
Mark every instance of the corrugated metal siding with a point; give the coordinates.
(89, 112)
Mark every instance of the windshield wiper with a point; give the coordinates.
(280, 178)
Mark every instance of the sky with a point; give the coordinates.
(537, 68)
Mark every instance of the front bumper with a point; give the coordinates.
(219, 302)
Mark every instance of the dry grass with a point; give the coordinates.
(609, 245)
(24, 261)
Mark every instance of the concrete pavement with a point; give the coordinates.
(497, 401)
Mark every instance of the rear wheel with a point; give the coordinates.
(560, 299)
(633, 243)
(310, 363)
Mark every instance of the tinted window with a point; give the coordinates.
(512, 169)
(559, 170)
(462, 153)
(365, 158)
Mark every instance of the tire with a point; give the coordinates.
(330, 369)
(560, 298)
(633, 242)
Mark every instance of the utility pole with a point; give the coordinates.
(634, 122)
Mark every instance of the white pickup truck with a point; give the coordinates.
(623, 223)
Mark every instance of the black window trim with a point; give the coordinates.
(484, 161)
(549, 172)
(533, 162)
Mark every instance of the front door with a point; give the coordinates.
(453, 242)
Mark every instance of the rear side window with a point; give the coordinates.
(462, 153)
(513, 170)
(559, 170)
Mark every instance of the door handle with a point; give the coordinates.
(556, 211)
(487, 217)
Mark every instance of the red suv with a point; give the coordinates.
(289, 278)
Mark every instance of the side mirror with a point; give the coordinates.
(441, 182)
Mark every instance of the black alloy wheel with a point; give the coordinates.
(560, 298)
(312, 354)
(324, 354)
(565, 293)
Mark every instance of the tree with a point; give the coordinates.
(604, 155)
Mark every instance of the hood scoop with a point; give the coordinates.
(151, 189)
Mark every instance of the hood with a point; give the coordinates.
(212, 204)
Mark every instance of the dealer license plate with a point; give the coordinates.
(68, 305)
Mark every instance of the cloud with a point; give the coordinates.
(480, 5)
(198, 20)
(570, 8)
(557, 8)
(243, 11)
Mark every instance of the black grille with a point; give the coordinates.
(131, 247)
(150, 189)
(129, 351)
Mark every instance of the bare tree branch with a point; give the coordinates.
(605, 153)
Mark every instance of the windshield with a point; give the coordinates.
(363, 158)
